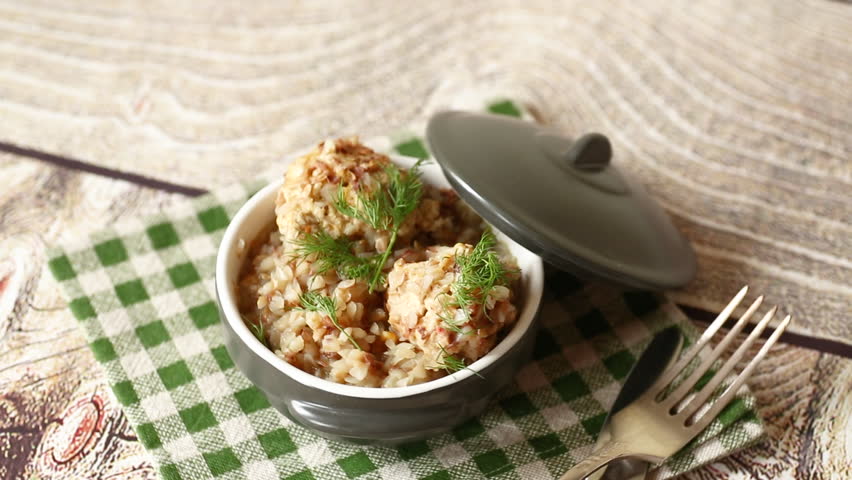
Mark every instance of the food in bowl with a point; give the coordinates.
(371, 278)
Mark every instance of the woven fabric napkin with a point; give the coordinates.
(143, 293)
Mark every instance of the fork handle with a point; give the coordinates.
(599, 458)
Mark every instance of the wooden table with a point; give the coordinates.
(736, 115)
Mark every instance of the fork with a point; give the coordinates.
(659, 423)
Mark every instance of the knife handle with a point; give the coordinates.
(599, 458)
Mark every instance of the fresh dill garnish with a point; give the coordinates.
(478, 273)
(451, 363)
(450, 323)
(404, 192)
(371, 208)
(314, 301)
(259, 331)
(385, 208)
(334, 254)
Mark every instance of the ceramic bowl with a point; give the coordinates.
(363, 414)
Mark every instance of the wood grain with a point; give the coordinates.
(737, 116)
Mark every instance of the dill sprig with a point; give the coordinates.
(334, 254)
(404, 192)
(451, 363)
(450, 323)
(478, 273)
(385, 208)
(314, 301)
(371, 207)
(259, 331)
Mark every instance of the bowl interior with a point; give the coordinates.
(258, 214)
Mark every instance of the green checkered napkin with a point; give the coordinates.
(143, 293)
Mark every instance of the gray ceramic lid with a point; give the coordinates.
(560, 198)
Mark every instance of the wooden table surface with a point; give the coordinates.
(736, 115)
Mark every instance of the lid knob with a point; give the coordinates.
(591, 153)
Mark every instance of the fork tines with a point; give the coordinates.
(678, 403)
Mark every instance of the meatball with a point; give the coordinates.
(305, 202)
(421, 307)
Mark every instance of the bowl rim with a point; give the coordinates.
(227, 302)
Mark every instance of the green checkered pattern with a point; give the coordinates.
(143, 293)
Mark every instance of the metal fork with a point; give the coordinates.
(659, 423)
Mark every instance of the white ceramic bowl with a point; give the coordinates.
(389, 415)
